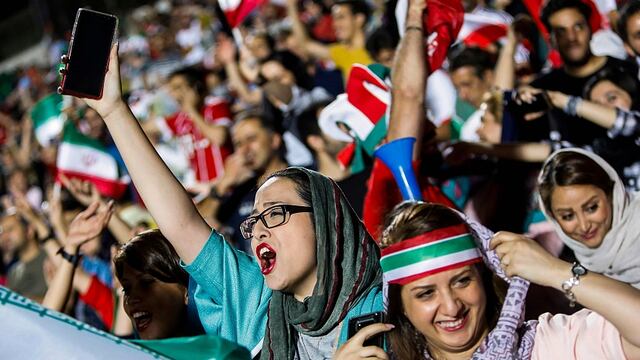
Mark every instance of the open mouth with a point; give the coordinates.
(142, 320)
(590, 235)
(267, 257)
(455, 325)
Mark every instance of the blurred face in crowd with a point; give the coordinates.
(274, 70)
(491, 129)
(95, 125)
(287, 253)
(257, 146)
(570, 34)
(632, 42)
(13, 235)
(258, 46)
(178, 86)
(156, 309)
(345, 23)
(448, 309)
(608, 94)
(18, 182)
(469, 85)
(583, 212)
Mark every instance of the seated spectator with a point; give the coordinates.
(586, 201)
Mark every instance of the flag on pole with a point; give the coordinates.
(82, 157)
(237, 10)
(48, 118)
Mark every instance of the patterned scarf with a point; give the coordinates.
(347, 270)
(512, 338)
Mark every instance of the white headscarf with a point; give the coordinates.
(618, 256)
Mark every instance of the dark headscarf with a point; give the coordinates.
(347, 270)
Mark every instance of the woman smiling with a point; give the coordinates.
(443, 304)
(585, 199)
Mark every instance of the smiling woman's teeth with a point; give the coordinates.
(450, 324)
(139, 314)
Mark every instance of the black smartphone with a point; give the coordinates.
(88, 57)
(357, 323)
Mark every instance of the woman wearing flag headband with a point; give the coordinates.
(438, 269)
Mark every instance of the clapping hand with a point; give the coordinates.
(89, 224)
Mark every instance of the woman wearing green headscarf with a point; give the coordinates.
(312, 250)
(317, 257)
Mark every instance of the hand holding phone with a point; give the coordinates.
(88, 59)
(366, 338)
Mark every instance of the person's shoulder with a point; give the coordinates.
(627, 65)
(548, 77)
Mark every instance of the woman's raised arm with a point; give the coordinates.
(163, 195)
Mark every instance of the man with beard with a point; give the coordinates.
(568, 24)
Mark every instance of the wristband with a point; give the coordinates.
(417, 28)
(73, 259)
(572, 105)
(45, 239)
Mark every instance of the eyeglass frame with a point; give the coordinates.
(288, 211)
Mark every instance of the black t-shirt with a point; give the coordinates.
(571, 128)
(237, 207)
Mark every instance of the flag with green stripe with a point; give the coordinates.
(429, 253)
(48, 118)
(82, 157)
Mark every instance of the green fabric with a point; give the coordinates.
(196, 348)
(348, 270)
(463, 111)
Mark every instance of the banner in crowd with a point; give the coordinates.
(80, 156)
(29, 331)
(48, 118)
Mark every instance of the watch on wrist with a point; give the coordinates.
(577, 270)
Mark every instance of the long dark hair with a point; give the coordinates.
(303, 185)
(407, 220)
(151, 253)
(572, 168)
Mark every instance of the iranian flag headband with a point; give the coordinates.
(429, 253)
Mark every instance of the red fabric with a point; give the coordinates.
(100, 298)
(323, 29)
(235, 15)
(443, 21)
(206, 159)
(383, 194)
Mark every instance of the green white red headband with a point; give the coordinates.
(429, 253)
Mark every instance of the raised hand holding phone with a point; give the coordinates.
(87, 61)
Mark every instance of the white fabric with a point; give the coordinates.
(619, 254)
(440, 97)
(606, 42)
(468, 132)
(30, 331)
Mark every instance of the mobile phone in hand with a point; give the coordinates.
(357, 323)
(88, 57)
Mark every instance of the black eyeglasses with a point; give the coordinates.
(271, 217)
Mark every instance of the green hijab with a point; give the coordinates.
(347, 269)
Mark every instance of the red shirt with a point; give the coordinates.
(207, 160)
(100, 298)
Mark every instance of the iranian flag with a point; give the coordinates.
(48, 118)
(82, 157)
(237, 10)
